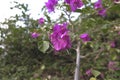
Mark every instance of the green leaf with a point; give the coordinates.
(95, 73)
(104, 28)
(78, 10)
(43, 46)
(92, 78)
(118, 50)
(43, 67)
(48, 17)
(67, 7)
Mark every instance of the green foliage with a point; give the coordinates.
(26, 58)
(43, 46)
(96, 73)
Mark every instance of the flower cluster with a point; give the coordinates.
(74, 4)
(35, 35)
(112, 65)
(60, 38)
(51, 4)
(41, 21)
(88, 72)
(100, 8)
(85, 37)
(98, 4)
(112, 44)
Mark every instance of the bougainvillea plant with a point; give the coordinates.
(62, 33)
(83, 31)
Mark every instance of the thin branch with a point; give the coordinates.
(99, 51)
(77, 69)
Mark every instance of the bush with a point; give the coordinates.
(29, 53)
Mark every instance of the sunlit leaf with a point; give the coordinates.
(95, 73)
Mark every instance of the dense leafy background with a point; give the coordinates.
(25, 58)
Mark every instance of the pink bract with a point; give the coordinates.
(60, 37)
(35, 35)
(85, 37)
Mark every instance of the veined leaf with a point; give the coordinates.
(95, 73)
(43, 46)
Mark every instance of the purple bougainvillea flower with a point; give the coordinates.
(67, 1)
(75, 4)
(85, 37)
(60, 38)
(112, 44)
(35, 35)
(98, 4)
(102, 12)
(41, 21)
(112, 65)
(51, 4)
(88, 72)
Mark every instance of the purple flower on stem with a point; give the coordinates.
(35, 35)
(67, 1)
(112, 44)
(89, 72)
(98, 4)
(60, 38)
(85, 37)
(112, 65)
(51, 4)
(74, 4)
(41, 21)
(102, 12)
